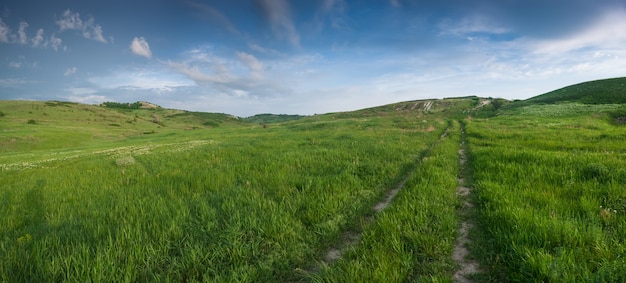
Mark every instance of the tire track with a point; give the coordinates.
(460, 254)
(351, 237)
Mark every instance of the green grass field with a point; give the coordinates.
(90, 193)
(550, 188)
(238, 202)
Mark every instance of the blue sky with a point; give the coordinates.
(303, 56)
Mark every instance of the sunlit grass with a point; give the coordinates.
(551, 198)
(238, 203)
(412, 240)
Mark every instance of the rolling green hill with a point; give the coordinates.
(38, 125)
(606, 98)
(608, 91)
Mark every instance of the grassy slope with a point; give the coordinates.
(549, 182)
(608, 91)
(29, 129)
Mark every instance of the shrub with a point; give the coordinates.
(31, 121)
(1, 114)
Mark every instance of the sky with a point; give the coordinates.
(247, 57)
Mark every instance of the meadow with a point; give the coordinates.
(550, 193)
(239, 203)
(98, 194)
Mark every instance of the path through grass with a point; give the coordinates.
(413, 238)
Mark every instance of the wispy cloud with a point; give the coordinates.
(21, 63)
(38, 40)
(279, 15)
(5, 32)
(156, 79)
(470, 25)
(15, 65)
(256, 68)
(70, 71)
(211, 75)
(608, 32)
(139, 46)
(202, 66)
(88, 29)
(214, 15)
(55, 43)
(22, 38)
(334, 11)
(263, 50)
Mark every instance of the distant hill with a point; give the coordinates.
(415, 106)
(608, 91)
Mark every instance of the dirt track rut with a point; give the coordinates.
(460, 254)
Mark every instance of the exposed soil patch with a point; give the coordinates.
(390, 196)
(460, 253)
(335, 253)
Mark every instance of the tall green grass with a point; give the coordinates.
(550, 197)
(245, 204)
(412, 240)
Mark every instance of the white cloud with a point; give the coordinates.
(395, 3)
(22, 38)
(70, 21)
(471, 25)
(256, 68)
(194, 73)
(73, 21)
(15, 65)
(155, 79)
(244, 77)
(263, 50)
(21, 63)
(140, 47)
(70, 71)
(38, 39)
(55, 42)
(214, 15)
(5, 32)
(203, 67)
(607, 32)
(278, 13)
(97, 34)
